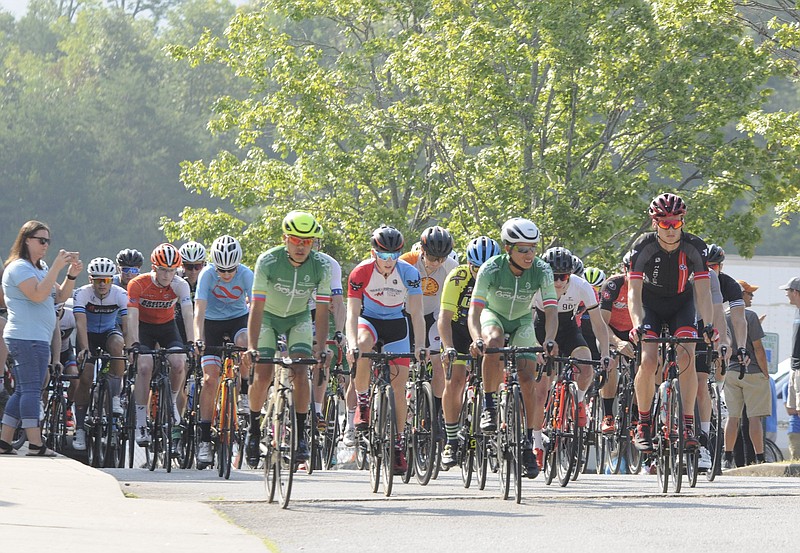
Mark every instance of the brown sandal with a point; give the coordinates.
(39, 451)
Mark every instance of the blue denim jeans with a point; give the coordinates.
(30, 369)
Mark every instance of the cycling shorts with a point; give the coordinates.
(298, 331)
(393, 333)
(216, 331)
(700, 364)
(569, 336)
(461, 338)
(165, 335)
(676, 312)
(521, 332)
(100, 339)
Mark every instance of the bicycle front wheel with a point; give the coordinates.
(331, 438)
(376, 421)
(516, 419)
(716, 434)
(287, 438)
(227, 430)
(165, 422)
(567, 442)
(467, 424)
(424, 439)
(675, 435)
(388, 437)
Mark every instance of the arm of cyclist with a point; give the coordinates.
(199, 322)
(254, 319)
(81, 336)
(601, 333)
(550, 332)
(414, 305)
(351, 327)
(321, 329)
(635, 307)
(705, 307)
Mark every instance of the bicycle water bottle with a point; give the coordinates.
(662, 392)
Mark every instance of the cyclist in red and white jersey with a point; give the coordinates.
(151, 308)
(659, 293)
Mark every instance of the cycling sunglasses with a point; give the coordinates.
(524, 249)
(102, 280)
(297, 241)
(387, 256)
(670, 224)
(130, 270)
(226, 271)
(564, 276)
(193, 266)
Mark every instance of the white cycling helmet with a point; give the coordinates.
(226, 252)
(193, 252)
(101, 267)
(519, 230)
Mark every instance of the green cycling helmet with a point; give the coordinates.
(302, 224)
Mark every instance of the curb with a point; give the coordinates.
(772, 470)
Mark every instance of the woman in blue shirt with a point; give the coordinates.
(31, 292)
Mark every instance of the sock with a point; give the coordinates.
(538, 443)
(351, 415)
(205, 431)
(301, 423)
(608, 406)
(175, 402)
(141, 415)
(488, 400)
(80, 416)
(705, 427)
(318, 408)
(729, 455)
(760, 458)
(244, 387)
(255, 419)
(529, 435)
(362, 398)
(644, 417)
(688, 422)
(452, 432)
(581, 395)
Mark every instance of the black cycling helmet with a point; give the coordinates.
(436, 242)
(130, 258)
(560, 260)
(716, 255)
(387, 239)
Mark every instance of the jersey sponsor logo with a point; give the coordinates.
(413, 283)
(460, 275)
(620, 305)
(222, 293)
(356, 286)
(295, 293)
(612, 285)
(306, 278)
(153, 304)
(101, 309)
(430, 287)
(606, 295)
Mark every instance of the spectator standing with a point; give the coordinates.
(793, 394)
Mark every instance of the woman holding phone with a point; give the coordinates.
(31, 291)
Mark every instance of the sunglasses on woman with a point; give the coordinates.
(670, 224)
(192, 266)
(42, 240)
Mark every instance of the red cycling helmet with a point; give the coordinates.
(166, 256)
(667, 205)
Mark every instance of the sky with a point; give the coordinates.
(17, 7)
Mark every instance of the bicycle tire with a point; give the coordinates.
(567, 434)
(93, 425)
(288, 448)
(56, 420)
(228, 428)
(331, 438)
(130, 428)
(716, 433)
(165, 421)
(676, 443)
(362, 449)
(549, 432)
(271, 452)
(423, 436)
(503, 442)
(388, 441)
(772, 453)
(109, 436)
(466, 445)
(516, 412)
(153, 449)
(595, 439)
(314, 460)
(190, 429)
(375, 448)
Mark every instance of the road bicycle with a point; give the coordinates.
(279, 427)
(471, 453)
(422, 449)
(54, 426)
(186, 449)
(104, 428)
(592, 436)
(334, 406)
(618, 445)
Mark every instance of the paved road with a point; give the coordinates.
(335, 511)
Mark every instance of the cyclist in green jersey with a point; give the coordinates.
(502, 303)
(285, 279)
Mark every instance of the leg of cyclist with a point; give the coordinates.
(704, 411)
(144, 372)
(115, 346)
(177, 377)
(607, 394)
(493, 336)
(82, 387)
(688, 382)
(298, 342)
(350, 402)
(211, 364)
(644, 386)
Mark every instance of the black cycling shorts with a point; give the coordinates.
(165, 335)
(676, 312)
(216, 331)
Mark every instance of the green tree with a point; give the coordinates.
(573, 113)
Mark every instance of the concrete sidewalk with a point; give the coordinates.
(62, 504)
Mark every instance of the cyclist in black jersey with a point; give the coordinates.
(659, 293)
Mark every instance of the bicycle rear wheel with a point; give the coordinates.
(772, 453)
(567, 433)
(287, 440)
(227, 430)
(331, 437)
(716, 434)
(165, 422)
(516, 418)
(389, 435)
(376, 422)
(550, 437)
(424, 439)
(466, 447)
(595, 436)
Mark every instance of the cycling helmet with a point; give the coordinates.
(626, 261)
(101, 267)
(302, 224)
(454, 256)
(166, 256)
(387, 239)
(130, 258)
(716, 255)
(193, 252)
(519, 230)
(480, 249)
(226, 252)
(417, 247)
(577, 266)
(667, 205)
(594, 276)
(560, 260)
(436, 242)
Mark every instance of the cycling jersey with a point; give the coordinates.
(457, 293)
(510, 296)
(286, 289)
(731, 291)
(432, 283)
(666, 274)
(101, 313)
(614, 298)
(578, 293)
(336, 280)
(156, 304)
(224, 300)
(383, 297)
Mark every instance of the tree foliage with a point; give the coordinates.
(573, 113)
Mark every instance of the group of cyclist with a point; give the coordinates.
(422, 302)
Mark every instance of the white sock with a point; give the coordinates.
(705, 427)
(318, 407)
(537, 439)
(581, 395)
(141, 415)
